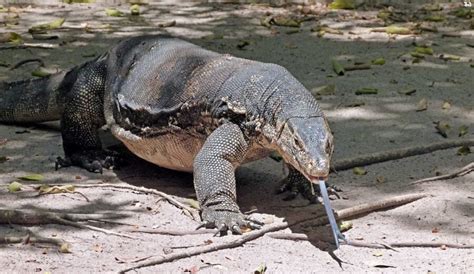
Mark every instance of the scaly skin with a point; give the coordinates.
(186, 108)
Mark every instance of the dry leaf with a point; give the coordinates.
(32, 177)
(442, 128)
(407, 91)
(380, 179)
(463, 130)
(446, 105)
(324, 90)
(65, 248)
(338, 68)
(463, 151)
(422, 105)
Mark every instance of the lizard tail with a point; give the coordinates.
(29, 101)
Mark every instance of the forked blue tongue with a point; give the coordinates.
(332, 220)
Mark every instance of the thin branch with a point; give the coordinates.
(342, 214)
(30, 217)
(193, 213)
(409, 244)
(26, 61)
(174, 232)
(460, 172)
(30, 45)
(397, 154)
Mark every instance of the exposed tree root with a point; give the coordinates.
(342, 214)
(30, 217)
(192, 212)
(460, 172)
(397, 154)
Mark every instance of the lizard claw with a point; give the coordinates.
(92, 161)
(227, 220)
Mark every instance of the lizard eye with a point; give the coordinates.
(297, 142)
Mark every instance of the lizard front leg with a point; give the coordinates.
(296, 183)
(214, 178)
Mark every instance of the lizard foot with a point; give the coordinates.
(91, 160)
(227, 220)
(302, 186)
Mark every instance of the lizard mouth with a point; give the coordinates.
(316, 179)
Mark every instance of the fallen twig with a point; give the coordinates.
(406, 244)
(31, 45)
(341, 214)
(460, 172)
(391, 246)
(35, 239)
(26, 61)
(193, 213)
(174, 232)
(30, 217)
(397, 154)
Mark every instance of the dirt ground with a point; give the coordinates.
(387, 120)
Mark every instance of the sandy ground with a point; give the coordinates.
(384, 121)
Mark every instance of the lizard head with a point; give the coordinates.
(307, 144)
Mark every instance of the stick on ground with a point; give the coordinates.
(30, 217)
(460, 172)
(192, 212)
(343, 214)
(395, 154)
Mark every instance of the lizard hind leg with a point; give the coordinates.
(82, 117)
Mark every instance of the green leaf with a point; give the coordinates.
(435, 18)
(10, 37)
(48, 26)
(379, 61)
(417, 55)
(359, 171)
(463, 130)
(463, 13)
(113, 12)
(135, 10)
(342, 4)
(32, 177)
(365, 91)
(40, 72)
(463, 151)
(14, 186)
(192, 203)
(450, 57)
(338, 68)
(394, 29)
(424, 50)
(345, 226)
